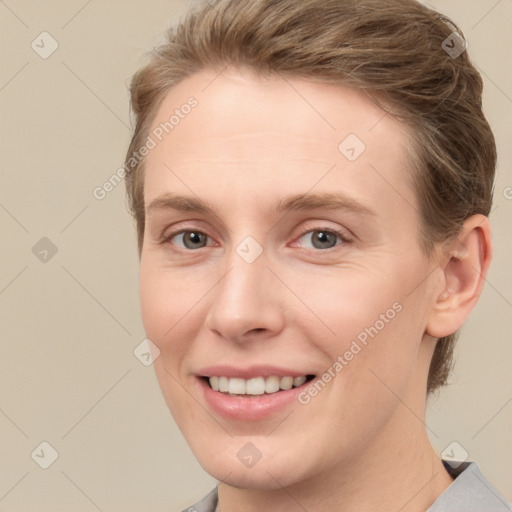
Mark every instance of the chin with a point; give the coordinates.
(228, 466)
(259, 477)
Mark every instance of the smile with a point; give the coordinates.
(255, 386)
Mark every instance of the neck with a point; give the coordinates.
(399, 471)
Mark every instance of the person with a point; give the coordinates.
(311, 183)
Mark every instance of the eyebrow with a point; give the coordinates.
(296, 202)
(327, 201)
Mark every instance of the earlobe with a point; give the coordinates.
(465, 265)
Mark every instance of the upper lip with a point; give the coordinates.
(249, 372)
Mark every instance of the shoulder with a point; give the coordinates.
(207, 504)
(469, 492)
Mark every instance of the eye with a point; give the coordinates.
(188, 239)
(321, 239)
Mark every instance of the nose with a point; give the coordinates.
(247, 302)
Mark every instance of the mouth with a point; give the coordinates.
(251, 393)
(255, 386)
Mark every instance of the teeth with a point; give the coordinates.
(256, 385)
(214, 383)
(223, 384)
(286, 383)
(237, 386)
(271, 384)
(298, 381)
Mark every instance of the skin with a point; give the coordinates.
(361, 443)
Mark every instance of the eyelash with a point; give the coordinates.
(339, 234)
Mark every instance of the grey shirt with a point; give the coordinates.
(469, 492)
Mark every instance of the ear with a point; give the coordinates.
(464, 263)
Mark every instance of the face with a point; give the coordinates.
(282, 243)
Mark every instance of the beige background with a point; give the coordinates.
(68, 375)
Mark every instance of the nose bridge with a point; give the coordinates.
(243, 300)
(241, 288)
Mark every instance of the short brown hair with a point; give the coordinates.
(396, 51)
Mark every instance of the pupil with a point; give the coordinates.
(194, 238)
(325, 239)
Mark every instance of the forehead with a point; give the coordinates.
(275, 134)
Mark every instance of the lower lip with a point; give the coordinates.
(251, 408)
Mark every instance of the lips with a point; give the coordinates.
(250, 393)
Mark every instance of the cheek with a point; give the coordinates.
(369, 318)
(154, 303)
(172, 309)
(164, 308)
(163, 303)
(351, 304)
